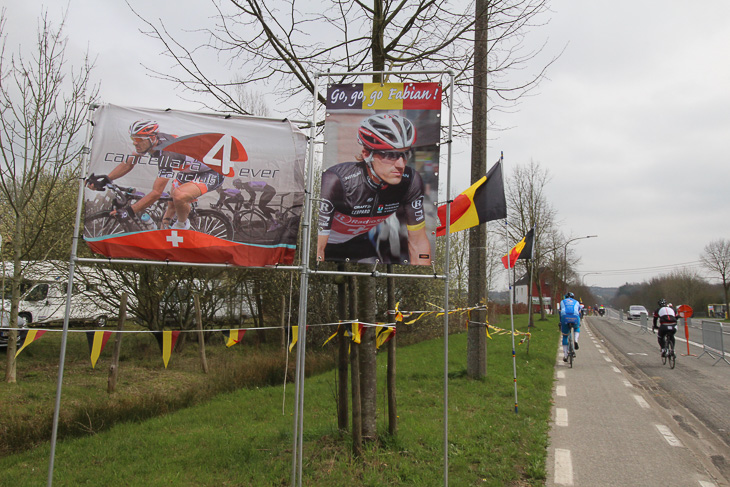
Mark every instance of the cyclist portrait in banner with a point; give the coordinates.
(193, 178)
(372, 208)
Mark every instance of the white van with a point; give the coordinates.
(45, 302)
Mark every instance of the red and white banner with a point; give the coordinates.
(190, 187)
(380, 182)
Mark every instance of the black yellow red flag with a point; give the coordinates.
(97, 341)
(166, 339)
(482, 202)
(523, 250)
(26, 338)
(233, 336)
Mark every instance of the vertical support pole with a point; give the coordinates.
(390, 382)
(296, 476)
(447, 282)
(71, 265)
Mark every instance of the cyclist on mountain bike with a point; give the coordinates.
(358, 196)
(667, 319)
(193, 178)
(569, 317)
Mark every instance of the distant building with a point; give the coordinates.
(522, 287)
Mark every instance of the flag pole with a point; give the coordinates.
(510, 284)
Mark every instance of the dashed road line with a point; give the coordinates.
(560, 391)
(642, 402)
(627, 383)
(561, 374)
(668, 435)
(563, 467)
(607, 359)
(705, 483)
(561, 416)
(616, 369)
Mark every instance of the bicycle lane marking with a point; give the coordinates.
(563, 467)
(668, 435)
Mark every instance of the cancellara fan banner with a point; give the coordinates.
(191, 187)
(381, 161)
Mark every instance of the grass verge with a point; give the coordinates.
(245, 438)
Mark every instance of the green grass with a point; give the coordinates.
(243, 438)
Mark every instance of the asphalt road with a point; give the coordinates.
(621, 418)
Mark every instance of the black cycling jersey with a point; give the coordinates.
(352, 203)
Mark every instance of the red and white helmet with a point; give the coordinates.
(143, 128)
(386, 131)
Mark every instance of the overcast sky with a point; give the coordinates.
(633, 123)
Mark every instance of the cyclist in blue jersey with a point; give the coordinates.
(358, 196)
(569, 317)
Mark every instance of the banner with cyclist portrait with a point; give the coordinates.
(380, 178)
(191, 187)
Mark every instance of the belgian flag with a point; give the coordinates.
(26, 338)
(523, 250)
(383, 334)
(233, 336)
(166, 340)
(97, 341)
(482, 202)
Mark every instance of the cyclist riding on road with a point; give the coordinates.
(569, 317)
(358, 196)
(193, 178)
(667, 319)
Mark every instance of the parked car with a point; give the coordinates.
(635, 311)
(5, 323)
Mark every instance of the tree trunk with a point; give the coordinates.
(355, 372)
(476, 345)
(12, 348)
(111, 384)
(368, 363)
(343, 348)
(392, 409)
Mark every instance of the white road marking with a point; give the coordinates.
(560, 391)
(607, 359)
(561, 374)
(616, 369)
(563, 467)
(627, 383)
(637, 353)
(602, 351)
(642, 402)
(668, 435)
(704, 483)
(561, 416)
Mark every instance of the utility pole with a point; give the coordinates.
(476, 347)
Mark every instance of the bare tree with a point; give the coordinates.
(527, 206)
(43, 104)
(283, 43)
(716, 259)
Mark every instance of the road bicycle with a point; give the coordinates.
(669, 355)
(571, 346)
(103, 223)
(247, 219)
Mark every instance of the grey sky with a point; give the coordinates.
(633, 122)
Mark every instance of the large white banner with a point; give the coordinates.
(183, 186)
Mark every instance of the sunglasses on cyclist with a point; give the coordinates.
(393, 156)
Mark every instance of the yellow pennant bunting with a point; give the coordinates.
(97, 341)
(233, 336)
(166, 340)
(30, 337)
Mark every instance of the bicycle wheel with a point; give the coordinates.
(253, 225)
(571, 348)
(664, 356)
(213, 223)
(101, 224)
(671, 356)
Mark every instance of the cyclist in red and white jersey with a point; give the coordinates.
(358, 196)
(193, 178)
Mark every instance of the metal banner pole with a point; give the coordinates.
(296, 475)
(446, 286)
(74, 246)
